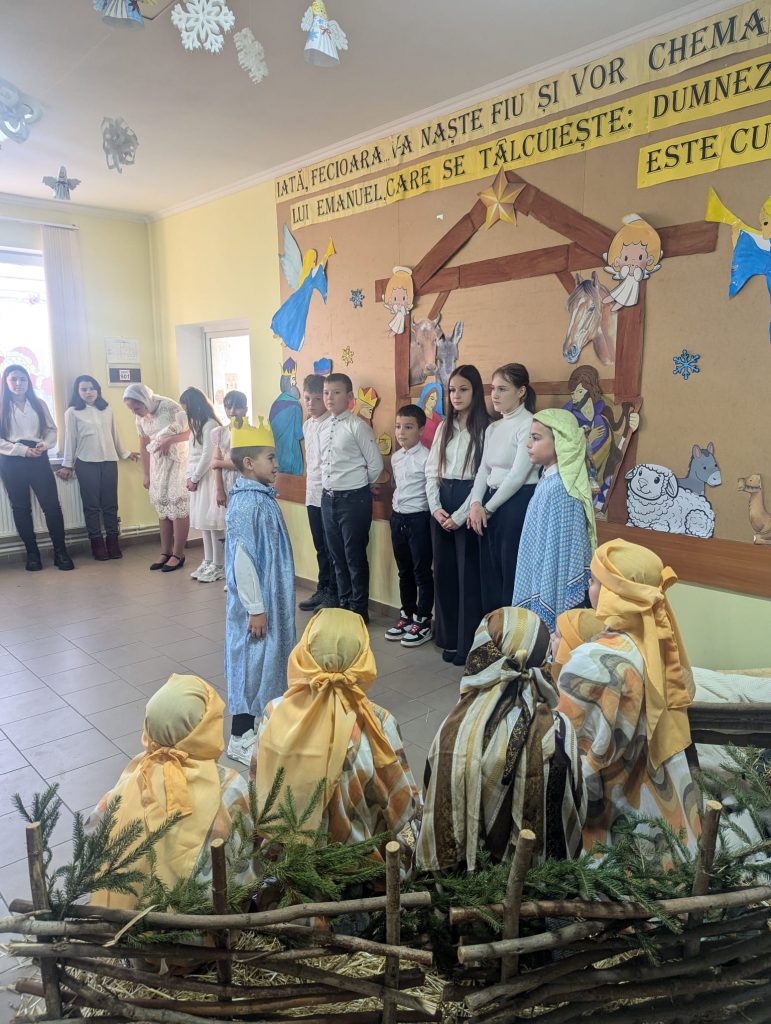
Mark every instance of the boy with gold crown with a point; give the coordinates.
(259, 569)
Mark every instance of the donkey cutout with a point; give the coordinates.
(703, 470)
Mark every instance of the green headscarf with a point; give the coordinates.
(570, 442)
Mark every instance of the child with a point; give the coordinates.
(313, 400)
(92, 447)
(236, 407)
(559, 534)
(260, 630)
(205, 514)
(350, 467)
(411, 531)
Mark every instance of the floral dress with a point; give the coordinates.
(168, 470)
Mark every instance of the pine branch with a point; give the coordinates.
(45, 809)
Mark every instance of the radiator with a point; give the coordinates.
(69, 499)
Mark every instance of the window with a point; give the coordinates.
(25, 338)
(228, 366)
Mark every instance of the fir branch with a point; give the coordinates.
(45, 809)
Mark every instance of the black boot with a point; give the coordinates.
(34, 562)
(62, 560)
(310, 604)
(113, 546)
(99, 549)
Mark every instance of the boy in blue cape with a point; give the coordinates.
(259, 569)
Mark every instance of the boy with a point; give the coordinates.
(260, 628)
(350, 466)
(411, 531)
(313, 400)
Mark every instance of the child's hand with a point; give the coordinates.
(449, 524)
(258, 626)
(477, 518)
(134, 457)
(440, 515)
(556, 639)
(222, 499)
(192, 485)
(146, 483)
(375, 490)
(64, 473)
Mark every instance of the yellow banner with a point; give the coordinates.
(731, 88)
(736, 30)
(711, 149)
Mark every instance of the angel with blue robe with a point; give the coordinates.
(305, 275)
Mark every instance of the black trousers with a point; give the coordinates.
(99, 492)
(499, 548)
(411, 540)
(458, 609)
(347, 517)
(327, 580)
(20, 475)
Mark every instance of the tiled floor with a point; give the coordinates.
(81, 652)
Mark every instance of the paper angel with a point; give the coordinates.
(325, 37)
(305, 275)
(634, 254)
(399, 297)
(62, 186)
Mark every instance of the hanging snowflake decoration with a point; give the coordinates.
(119, 143)
(357, 298)
(251, 55)
(686, 364)
(347, 355)
(62, 185)
(17, 112)
(203, 23)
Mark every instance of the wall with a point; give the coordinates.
(115, 256)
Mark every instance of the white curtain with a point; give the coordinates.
(67, 313)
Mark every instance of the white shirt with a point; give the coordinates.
(350, 458)
(313, 429)
(408, 466)
(505, 465)
(247, 583)
(457, 447)
(90, 435)
(24, 424)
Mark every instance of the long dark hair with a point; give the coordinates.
(76, 402)
(6, 402)
(199, 411)
(477, 419)
(516, 374)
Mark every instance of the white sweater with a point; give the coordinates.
(505, 465)
(90, 435)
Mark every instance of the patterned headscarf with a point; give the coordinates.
(570, 442)
(575, 627)
(507, 642)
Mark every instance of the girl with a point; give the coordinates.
(504, 483)
(559, 534)
(205, 513)
(27, 432)
(163, 433)
(225, 473)
(92, 446)
(452, 464)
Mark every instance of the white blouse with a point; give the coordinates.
(505, 465)
(90, 435)
(25, 424)
(457, 448)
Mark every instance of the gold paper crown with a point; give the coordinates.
(368, 396)
(248, 436)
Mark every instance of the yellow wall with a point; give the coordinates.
(115, 256)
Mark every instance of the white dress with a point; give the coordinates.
(168, 471)
(205, 514)
(221, 436)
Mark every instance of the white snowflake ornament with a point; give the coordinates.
(251, 55)
(203, 23)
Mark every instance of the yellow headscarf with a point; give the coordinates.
(308, 733)
(575, 627)
(633, 600)
(183, 740)
(570, 442)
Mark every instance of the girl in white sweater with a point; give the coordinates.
(205, 514)
(504, 484)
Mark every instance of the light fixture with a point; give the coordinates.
(324, 38)
(120, 13)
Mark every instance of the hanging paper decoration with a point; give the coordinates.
(251, 55)
(120, 13)
(203, 23)
(752, 248)
(399, 298)
(17, 112)
(357, 298)
(325, 37)
(686, 364)
(347, 355)
(62, 185)
(119, 143)
(634, 254)
(384, 443)
(322, 366)
(366, 403)
(304, 274)
(499, 199)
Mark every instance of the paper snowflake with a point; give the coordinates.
(203, 23)
(251, 55)
(119, 143)
(347, 355)
(686, 364)
(357, 298)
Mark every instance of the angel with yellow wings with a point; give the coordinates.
(304, 275)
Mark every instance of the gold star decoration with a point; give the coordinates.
(499, 199)
(347, 355)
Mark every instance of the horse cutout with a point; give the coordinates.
(424, 337)
(703, 470)
(591, 320)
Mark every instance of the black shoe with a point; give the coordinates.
(34, 562)
(449, 656)
(459, 660)
(160, 564)
(63, 561)
(310, 604)
(328, 601)
(173, 568)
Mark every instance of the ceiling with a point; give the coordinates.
(203, 126)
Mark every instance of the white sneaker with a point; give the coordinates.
(196, 573)
(212, 574)
(241, 748)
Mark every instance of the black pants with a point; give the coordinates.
(347, 517)
(19, 476)
(99, 492)
(456, 575)
(327, 581)
(411, 539)
(499, 548)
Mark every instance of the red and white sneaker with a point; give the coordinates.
(418, 633)
(398, 631)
